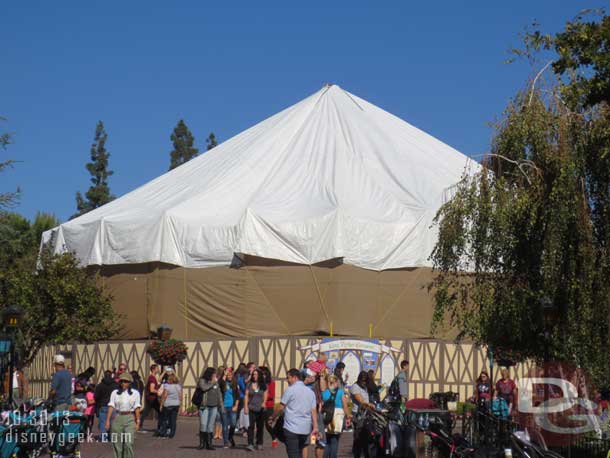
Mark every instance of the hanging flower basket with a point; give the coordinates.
(167, 352)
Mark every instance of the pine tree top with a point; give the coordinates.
(98, 193)
(211, 141)
(183, 141)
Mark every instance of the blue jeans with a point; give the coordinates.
(170, 414)
(103, 414)
(228, 418)
(332, 446)
(207, 419)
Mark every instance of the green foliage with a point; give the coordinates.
(99, 191)
(184, 149)
(7, 199)
(211, 141)
(464, 408)
(62, 302)
(523, 251)
(16, 238)
(42, 223)
(584, 50)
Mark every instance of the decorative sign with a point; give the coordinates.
(330, 344)
(357, 355)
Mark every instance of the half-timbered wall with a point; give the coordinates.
(434, 365)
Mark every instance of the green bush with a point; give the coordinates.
(465, 407)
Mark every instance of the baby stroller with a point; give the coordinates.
(24, 432)
(448, 444)
(9, 445)
(66, 432)
(373, 425)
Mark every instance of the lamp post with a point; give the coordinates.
(164, 332)
(11, 317)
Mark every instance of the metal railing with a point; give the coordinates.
(583, 446)
(482, 429)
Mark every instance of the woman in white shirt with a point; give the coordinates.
(170, 403)
(125, 403)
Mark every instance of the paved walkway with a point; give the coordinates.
(184, 445)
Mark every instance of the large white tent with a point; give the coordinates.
(332, 177)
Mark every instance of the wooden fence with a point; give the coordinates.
(434, 365)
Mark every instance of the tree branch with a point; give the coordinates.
(542, 70)
(520, 165)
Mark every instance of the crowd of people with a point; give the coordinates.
(315, 410)
(232, 400)
(120, 400)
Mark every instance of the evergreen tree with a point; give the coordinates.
(183, 141)
(99, 192)
(211, 141)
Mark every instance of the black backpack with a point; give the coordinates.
(328, 409)
(197, 398)
(394, 390)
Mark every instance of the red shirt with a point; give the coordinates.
(270, 401)
(151, 380)
(505, 388)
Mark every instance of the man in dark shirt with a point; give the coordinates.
(102, 393)
(61, 385)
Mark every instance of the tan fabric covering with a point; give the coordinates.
(262, 297)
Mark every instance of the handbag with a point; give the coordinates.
(197, 398)
(244, 420)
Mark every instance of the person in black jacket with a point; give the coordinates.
(137, 383)
(102, 393)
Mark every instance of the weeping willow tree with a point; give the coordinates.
(523, 255)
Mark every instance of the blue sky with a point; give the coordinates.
(223, 66)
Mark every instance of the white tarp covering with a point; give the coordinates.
(330, 177)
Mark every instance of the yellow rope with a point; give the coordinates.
(186, 305)
(320, 296)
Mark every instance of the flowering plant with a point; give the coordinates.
(167, 352)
